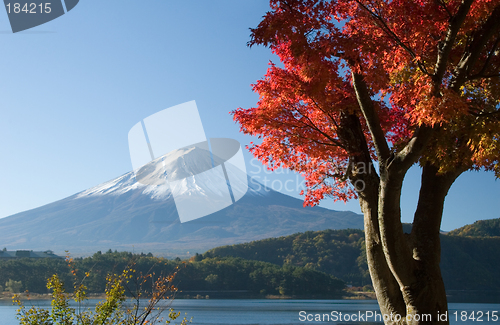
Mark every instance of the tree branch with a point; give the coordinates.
(445, 49)
(473, 51)
(487, 61)
(389, 295)
(484, 76)
(371, 117)
(443, 4)
(495, 114)
(314, 127)
(429, 212)
(410, 154)
(396, 249)
(343, 177)
(395, 37)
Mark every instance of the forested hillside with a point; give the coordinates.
(480, 228)
(306, 264)
(466, 263)
(339, 252)
(214, 276)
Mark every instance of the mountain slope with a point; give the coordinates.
(466, 263)
(480, 228)
(125, 215)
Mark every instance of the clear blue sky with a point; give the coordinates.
(71, 89)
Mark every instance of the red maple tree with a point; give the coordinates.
(366, 89)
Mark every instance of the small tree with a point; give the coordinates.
(13, 286)
(212, 279)
(111, 311)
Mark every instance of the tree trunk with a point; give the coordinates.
(405, 267)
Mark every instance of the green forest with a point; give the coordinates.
(311, 264)
(467, 263)
(480, 228)
(216, 277)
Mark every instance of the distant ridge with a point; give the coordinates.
(480, 228)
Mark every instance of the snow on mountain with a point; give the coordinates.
(178, 165)
(124, 214)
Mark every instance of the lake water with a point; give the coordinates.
(280, 312)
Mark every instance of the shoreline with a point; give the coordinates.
(346, 296)
(7, 296)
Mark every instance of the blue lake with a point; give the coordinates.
(278, 312)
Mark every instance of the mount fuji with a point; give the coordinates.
(124, 214)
